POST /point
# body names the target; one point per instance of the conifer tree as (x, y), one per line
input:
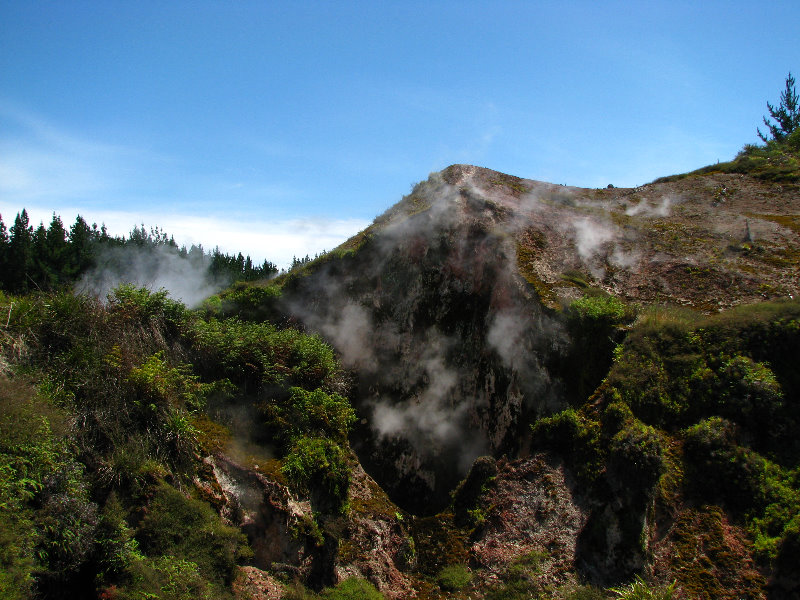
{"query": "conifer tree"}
(787, 114)
(3, 252)
(20, 253)
(80, 238)
(57, 248)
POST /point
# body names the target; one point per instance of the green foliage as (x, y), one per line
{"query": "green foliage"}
(252, 354)
(636, 454)
(167, 578)
(163, 386)
(247, 301)
(353, 589)
(786, 115)
(315, 414)
(575, 436)
(189, 529)
(140, 304)
(602, 311)
(596, 324)
(520, 581)
(466, 497)
(641, 590)
(777, 161)
(50, 258)
(453, 578)
(319, 467)
(744, 481)
(30, 456)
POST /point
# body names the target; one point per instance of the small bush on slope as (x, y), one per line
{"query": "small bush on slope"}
(641, 590)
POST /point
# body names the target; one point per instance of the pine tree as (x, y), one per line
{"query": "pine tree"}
(57, 249)
(81, 255)
(20, 253)
(3, 253)
(787, 114)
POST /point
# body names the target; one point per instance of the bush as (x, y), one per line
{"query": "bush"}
(641, 590)
(167, 577)
(575, 437)
(189, 529)
(248, 301)
(636, 454)
(718, 468)
(252, 354)
(311, 414)
(596, 325)
(353, 589)
(601, 311)
(319, 467)
(453, 578)
(144, 306)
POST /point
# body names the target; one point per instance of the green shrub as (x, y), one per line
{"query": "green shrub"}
(636, 454)
(144, 306)
(167, 578)
(189, 529)
(453, 578)
(353, 589)
(467, 495)
(319, 467)
(718, 468)
(574, 436)
(253, 354)
(641, 590)
(601, 311)
(165, 400)
(311, 414)
(596, 324)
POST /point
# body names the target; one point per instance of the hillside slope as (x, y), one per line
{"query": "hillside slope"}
(483, 303)
(448, 306)
(532, 391)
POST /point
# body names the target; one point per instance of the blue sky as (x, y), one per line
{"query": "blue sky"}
(280, 128)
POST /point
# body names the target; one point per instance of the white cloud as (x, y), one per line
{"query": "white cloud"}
(275, 240)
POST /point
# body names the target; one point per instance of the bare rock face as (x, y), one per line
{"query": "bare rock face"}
(449, 344)
(272, 518)
(530, 508)
(378, 547)
(369, 542)
(251, 583)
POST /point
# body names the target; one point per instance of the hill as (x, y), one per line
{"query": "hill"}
(502, 388)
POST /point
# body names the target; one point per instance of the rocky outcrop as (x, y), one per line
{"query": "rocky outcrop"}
(530, 507)
(370, 541)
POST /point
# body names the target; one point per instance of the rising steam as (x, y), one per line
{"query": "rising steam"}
(155, 267)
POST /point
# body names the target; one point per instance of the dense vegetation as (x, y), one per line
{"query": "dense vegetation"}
(105, 411)
(699, 414)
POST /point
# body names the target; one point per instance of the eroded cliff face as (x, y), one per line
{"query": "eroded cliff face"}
(290, 538)
(447, 307)
(450, 345)
(450, 314)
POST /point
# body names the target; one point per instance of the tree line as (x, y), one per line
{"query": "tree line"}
(54, 257)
